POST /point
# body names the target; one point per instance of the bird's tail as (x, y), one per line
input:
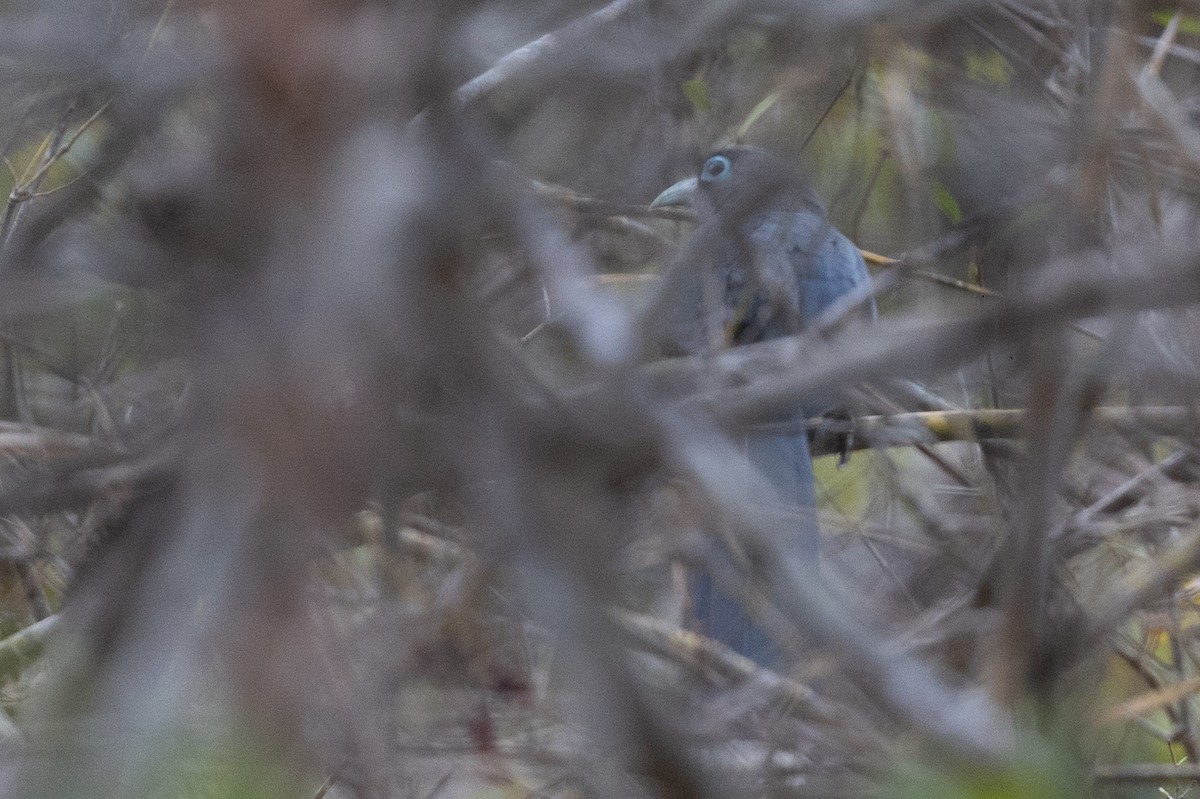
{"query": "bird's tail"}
(783, 461)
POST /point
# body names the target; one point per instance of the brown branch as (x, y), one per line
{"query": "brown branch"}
(1146, 772)
(540, 50)
(567, 198)
(43, 443)
(986, 424)
(704, 654)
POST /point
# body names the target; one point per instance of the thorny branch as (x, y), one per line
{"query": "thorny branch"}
(321, 476)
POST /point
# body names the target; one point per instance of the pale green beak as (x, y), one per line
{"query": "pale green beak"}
(682, 193)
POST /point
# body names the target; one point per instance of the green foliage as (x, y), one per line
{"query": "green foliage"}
(846, 488)
(20, 649)
(1040, 770)
(696, 90)
(228, 765)
(1188, 23)
(989, 67)
(946, 203)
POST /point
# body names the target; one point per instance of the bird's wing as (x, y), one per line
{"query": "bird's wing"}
(806, 262)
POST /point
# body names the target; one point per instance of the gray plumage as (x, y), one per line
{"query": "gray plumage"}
(776, 264)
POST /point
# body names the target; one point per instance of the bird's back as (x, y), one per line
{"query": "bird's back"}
(782, 269)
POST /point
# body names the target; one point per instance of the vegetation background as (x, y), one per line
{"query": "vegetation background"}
(336, 460)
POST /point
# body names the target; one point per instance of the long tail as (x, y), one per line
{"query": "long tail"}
(785, 463)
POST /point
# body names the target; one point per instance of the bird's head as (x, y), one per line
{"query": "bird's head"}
(738, 181)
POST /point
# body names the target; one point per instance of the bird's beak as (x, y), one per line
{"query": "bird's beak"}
(682, 193)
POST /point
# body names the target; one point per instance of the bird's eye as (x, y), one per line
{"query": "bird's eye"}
(715, 168)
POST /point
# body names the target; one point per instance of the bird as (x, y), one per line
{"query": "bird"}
(774, 264)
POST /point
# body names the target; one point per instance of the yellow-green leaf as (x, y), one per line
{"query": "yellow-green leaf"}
(989, 67)
(756, 113)
(696, 90)
(947, 204)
